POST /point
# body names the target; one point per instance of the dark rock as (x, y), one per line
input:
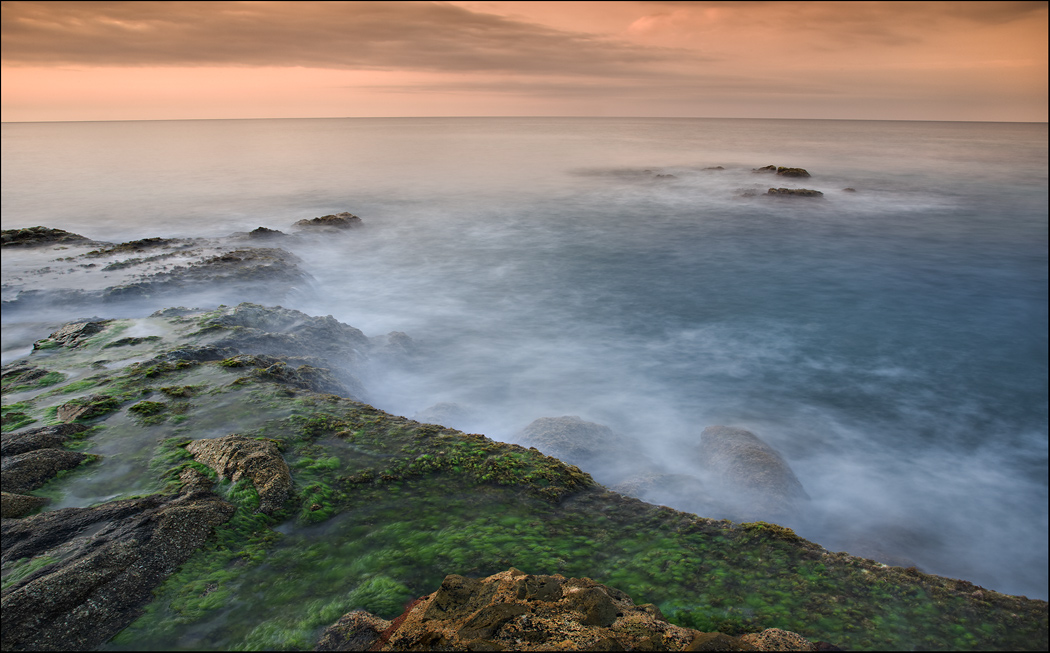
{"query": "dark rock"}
(27, 471)
(235, 457)
(792, 172)
(110, 558)
(38, 237)
(335, 222)
(262, 233)
(43, 437)
(19, 505)
(356, 631)
(714, 168)
(769, 169)
(20, 373)
(751, 476)
(849, 190)
(794, 192)
(72, 335)
(594, 448)
(136, 246)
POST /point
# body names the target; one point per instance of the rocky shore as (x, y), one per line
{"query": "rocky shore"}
(214, 478)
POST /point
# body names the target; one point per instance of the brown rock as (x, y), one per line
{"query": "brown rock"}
(27, 471)
(43, 437)
(73, 334)
(235, 457)
(37, 237)
(775, 639)
(516, 611)
(356, 631)
(338, 221)
(592, 447)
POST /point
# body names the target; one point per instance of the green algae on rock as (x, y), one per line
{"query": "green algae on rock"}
(379, 509)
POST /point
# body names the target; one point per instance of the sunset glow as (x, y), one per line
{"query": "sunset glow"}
(848, 60)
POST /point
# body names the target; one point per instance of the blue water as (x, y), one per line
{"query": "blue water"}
(891, 342)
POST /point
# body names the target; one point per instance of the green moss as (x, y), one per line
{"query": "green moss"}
(19, 569)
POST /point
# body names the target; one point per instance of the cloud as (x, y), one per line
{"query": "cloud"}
(345, 35)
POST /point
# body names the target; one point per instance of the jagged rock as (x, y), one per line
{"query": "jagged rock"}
(513, 610)
(356, 631)
(594, 448)
(16, 505)
(794, 192)
(27, 471)
(236, 456)
(38, 236)
(20, 373)
(750, 475)
(336, 222)
(108, 561)
(43, 437)
(136, 246)
(72, 335)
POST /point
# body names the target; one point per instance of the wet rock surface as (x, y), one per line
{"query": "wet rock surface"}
(794, 192)
(107, 561)
(516, 611)
(235, 457)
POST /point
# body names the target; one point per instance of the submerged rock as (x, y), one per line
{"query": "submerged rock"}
(594, 448)
(337, 222)
(447, 414)
(751, 476)
(683, 491)
(513, 610)
(794, 192)
(38, 237)
(235, 457)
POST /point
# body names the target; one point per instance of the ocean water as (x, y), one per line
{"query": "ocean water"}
(891, 342)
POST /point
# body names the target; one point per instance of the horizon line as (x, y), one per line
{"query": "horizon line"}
(475, 117)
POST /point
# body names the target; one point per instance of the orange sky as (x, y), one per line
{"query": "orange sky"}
(850, 60)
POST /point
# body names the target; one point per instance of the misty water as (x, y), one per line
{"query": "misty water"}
(891, 342)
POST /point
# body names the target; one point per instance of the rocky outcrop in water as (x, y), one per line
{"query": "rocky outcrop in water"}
(794, 192)
(34, 457)
(38, 237)
(782, 171)
(516, 611)
(235, 457)
(751, 477)
(330, 223)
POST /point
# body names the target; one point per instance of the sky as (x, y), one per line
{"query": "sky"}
(984, 61)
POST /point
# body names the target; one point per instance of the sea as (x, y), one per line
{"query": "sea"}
(889, 339)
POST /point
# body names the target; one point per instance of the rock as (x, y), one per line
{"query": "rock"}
(356, 631)
(18, 505)
(792, 172)
(72, 335)
(775, 639)
(513, 610)
(750, 475)
(849, 190)
(594, 448)
(44, 437)
(108, 560)
(794, 192)
(714, 168)
(38, 237)
(87, 407)
(235, 457)
(19, 374)
(262, 233)
(769, 169)
(335, 222)
(27, 471)
(134, 246)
